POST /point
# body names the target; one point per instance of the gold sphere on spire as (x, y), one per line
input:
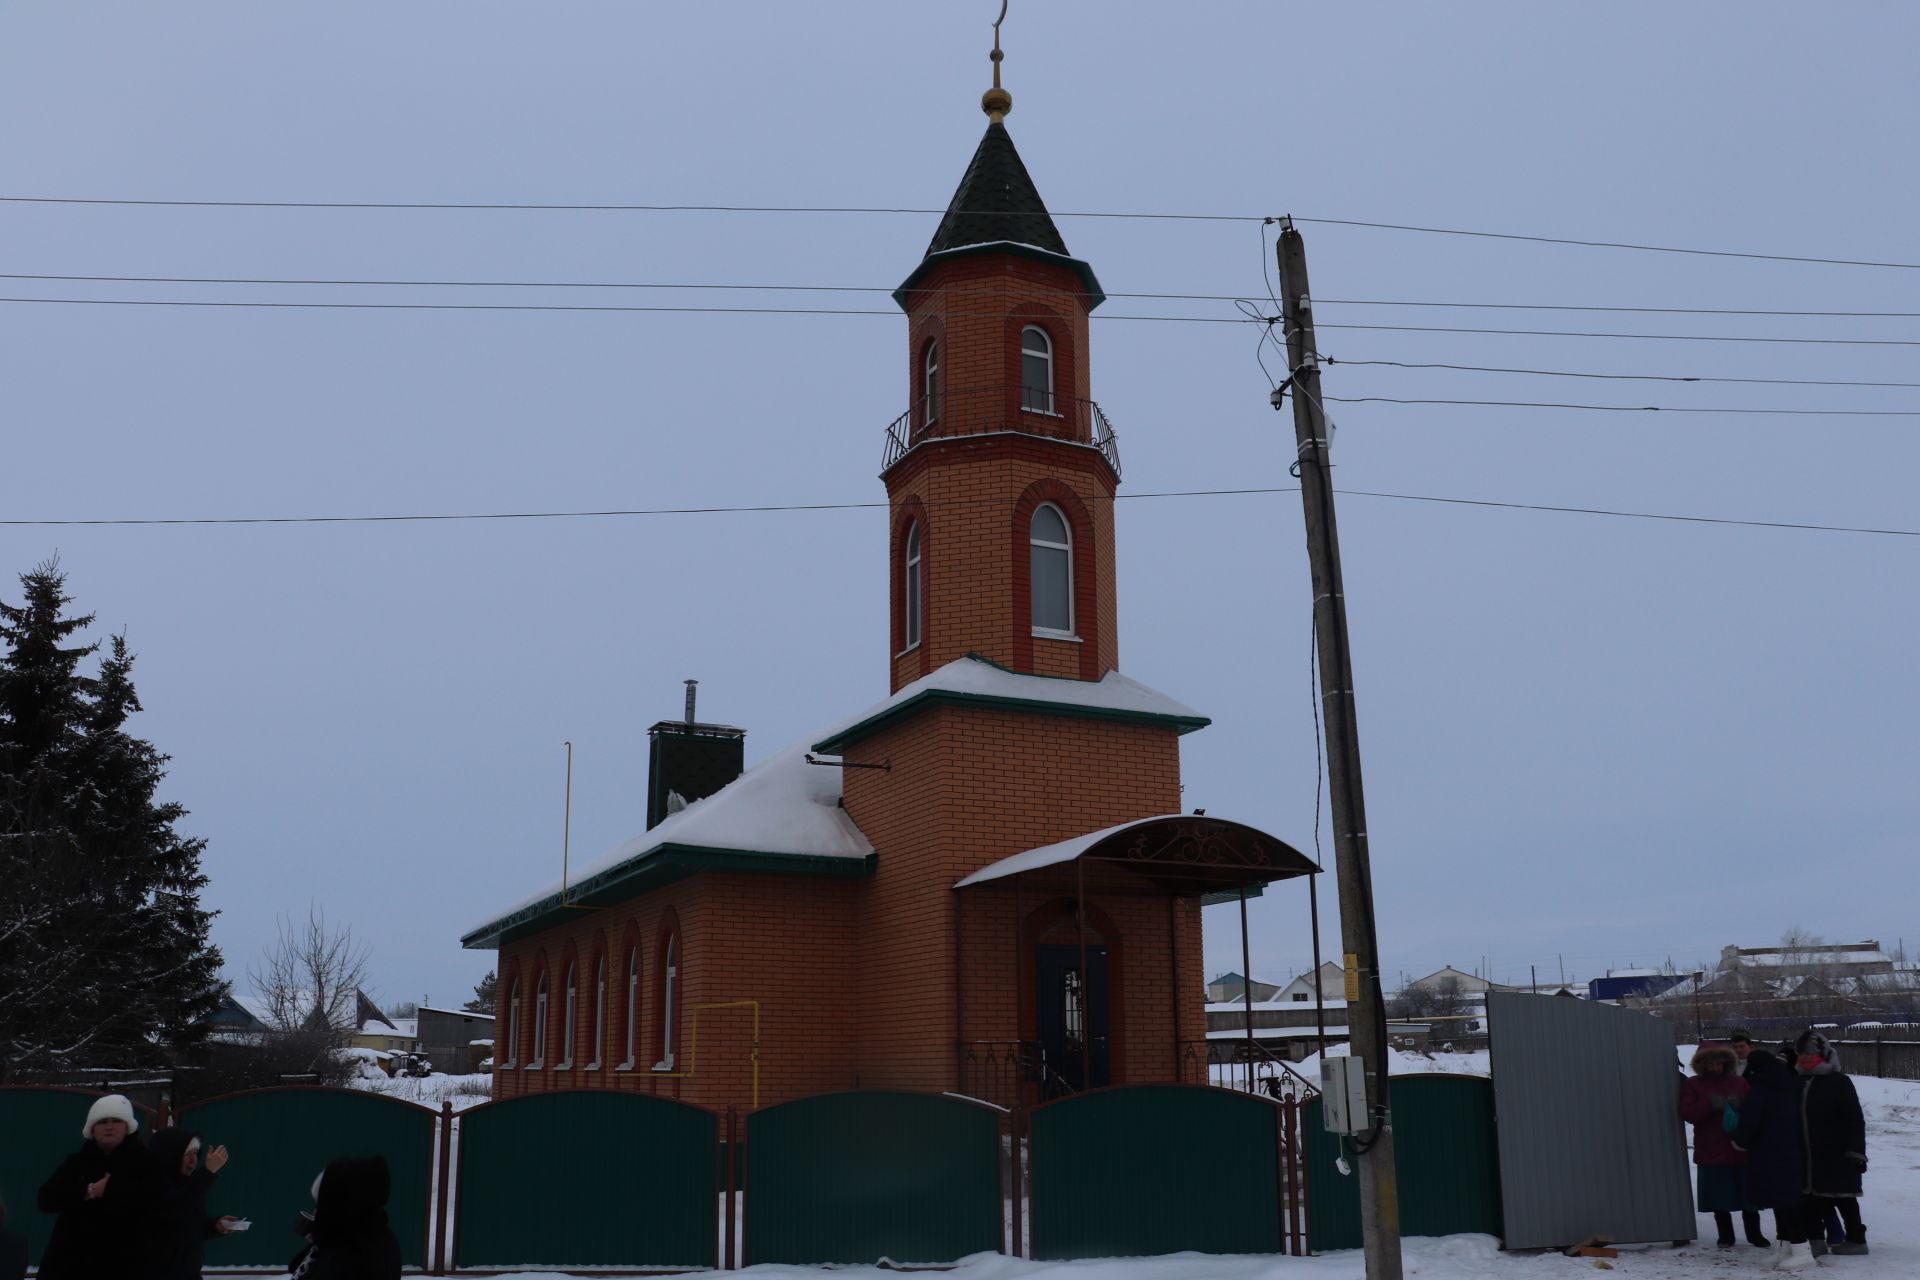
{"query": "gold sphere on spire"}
(996, 102)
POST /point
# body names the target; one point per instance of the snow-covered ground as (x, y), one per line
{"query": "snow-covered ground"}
(431, 1091)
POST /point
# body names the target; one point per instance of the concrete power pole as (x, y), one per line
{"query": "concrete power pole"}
(1379, 1187)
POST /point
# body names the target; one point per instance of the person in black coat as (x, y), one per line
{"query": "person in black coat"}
(13, 1249)
(183, 1225)
(106, 1196)
(350, 1236)
(1769, 1133)
(1834, 1133)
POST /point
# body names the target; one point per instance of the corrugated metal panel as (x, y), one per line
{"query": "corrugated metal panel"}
(855, 1177)
(1586, 1098)
(1444, 1151)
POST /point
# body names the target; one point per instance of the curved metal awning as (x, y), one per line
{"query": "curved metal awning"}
(1174, 854)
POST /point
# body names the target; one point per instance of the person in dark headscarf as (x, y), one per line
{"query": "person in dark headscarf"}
(183, 1226)
(1769, 1132)
(1834, 1132)
(350, 1238)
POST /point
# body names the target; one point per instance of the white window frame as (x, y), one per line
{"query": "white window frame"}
(513, 1026)
(1034, 540)
(633, 1009)
(539, 1058)
(1045, 352)
(930, 385)
(669, 982)
(599, 1014)
(569, 1024)
(912, 589)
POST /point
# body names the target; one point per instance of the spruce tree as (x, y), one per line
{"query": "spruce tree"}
(104, 952)
(485, 992)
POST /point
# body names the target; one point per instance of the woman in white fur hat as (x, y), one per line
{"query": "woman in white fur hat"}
(106, 1196)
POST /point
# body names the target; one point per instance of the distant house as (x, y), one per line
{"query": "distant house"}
(455, 1040)
(1836, 960)
(1331, 982)
(1233, 986)
(1631, 984)
(1466, 984)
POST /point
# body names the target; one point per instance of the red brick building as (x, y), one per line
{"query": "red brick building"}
(991, 889)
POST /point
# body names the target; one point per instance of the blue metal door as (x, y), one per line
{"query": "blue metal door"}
(1071, 1018)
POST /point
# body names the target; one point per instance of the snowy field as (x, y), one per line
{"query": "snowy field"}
(1891, 1208)
(431, 1091)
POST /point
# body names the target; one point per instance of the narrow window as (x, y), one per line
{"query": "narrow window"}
(1073, 1012)
(599, 1014)
(513, 1026)
(539, 1058)
(930, 386)
(911, 592)
(568, 1023)
(671, 980)
(633, 1009)
(1036, 370)
(1052, 572)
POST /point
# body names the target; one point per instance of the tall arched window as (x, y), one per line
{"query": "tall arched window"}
(599, 1015)
(910, 588)
(1036, 370)
(633, 1010)
(539, 1058)
(1051, 577)
(513, 1025)
(930, 385)
(569, 1023)
(669, 1001)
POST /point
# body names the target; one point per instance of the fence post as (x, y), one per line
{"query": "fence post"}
(733, 1179)
(1016, 1179)
(443, 1198)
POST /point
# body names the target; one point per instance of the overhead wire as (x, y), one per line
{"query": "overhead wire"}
(1623, 377)
(1637, 408)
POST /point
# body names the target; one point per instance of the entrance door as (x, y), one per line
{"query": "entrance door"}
(1071, 1017)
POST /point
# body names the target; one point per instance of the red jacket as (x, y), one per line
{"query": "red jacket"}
(1701, 1101)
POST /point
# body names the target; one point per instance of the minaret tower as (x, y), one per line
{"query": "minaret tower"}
(1001, 475)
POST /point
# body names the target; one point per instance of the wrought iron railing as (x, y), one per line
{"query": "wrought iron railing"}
(978, 411)
(1006, 1072)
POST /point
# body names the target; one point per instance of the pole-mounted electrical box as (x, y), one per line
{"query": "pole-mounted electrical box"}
(1343, 1095)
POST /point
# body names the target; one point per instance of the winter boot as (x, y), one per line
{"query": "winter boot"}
(1852, 1248)
(1817, 1246)
(1794, 1256)
(1724, 1221)
(1751, 1221)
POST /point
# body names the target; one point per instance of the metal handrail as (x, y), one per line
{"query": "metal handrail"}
(977, 411)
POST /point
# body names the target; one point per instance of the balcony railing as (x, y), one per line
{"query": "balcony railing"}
(979, 411)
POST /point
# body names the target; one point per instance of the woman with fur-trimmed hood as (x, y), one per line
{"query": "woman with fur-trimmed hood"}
(1706, 1098)
(1834, 1133)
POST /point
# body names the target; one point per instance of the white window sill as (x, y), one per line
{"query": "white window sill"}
(1068, 636)
(591, 1066)
(534, 1066)
(625, 1066)
(1044, 413)
(909, 649)
(508, 1066)
(665, 1064)
(563, 1066)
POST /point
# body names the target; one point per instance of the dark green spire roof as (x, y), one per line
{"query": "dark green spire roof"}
(997, 209)
(997, 202)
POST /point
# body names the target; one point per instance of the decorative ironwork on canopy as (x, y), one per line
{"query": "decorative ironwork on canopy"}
(1176, 855)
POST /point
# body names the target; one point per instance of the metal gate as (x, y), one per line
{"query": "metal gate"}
(1589, 1122)
(40, 1127)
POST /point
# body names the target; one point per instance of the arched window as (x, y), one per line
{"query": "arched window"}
(633, 1010)
(1036, 370)
(568, 1024)
(599, 1015)
(539, 1058)
(513, 1025)
(930, 385)
(1052, 571)
(910, 588)
(669, 1002)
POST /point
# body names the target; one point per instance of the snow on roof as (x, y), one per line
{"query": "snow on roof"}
(782, 805)
(1810, 956)
(1275, 1033)
(975, 679)
(1051, 854)
(1259, 1006)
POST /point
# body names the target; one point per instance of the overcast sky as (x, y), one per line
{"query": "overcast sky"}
(1588, 740)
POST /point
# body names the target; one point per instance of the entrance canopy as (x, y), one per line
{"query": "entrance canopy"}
(1175, 855)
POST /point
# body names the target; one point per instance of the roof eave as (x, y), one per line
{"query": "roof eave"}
(954, 698)
(1090, 282)
(658, 866)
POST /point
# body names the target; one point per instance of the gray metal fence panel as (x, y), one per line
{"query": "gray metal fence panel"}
(1586, 1099)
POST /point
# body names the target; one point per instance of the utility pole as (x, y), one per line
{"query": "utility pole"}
(1379, 1186)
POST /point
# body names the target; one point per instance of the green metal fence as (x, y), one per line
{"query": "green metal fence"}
(1445, 1152)
(278, 1139)
(586, 1178)
(40, 1127)
(854, 1177)
(1152, 1169)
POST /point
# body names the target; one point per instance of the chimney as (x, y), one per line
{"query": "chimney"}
(689, 761)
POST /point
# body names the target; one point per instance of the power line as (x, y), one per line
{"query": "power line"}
(878, 311)
(668, 285)
(1624, 377)
(870, 506)
(1637, 408)
(557, 207)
